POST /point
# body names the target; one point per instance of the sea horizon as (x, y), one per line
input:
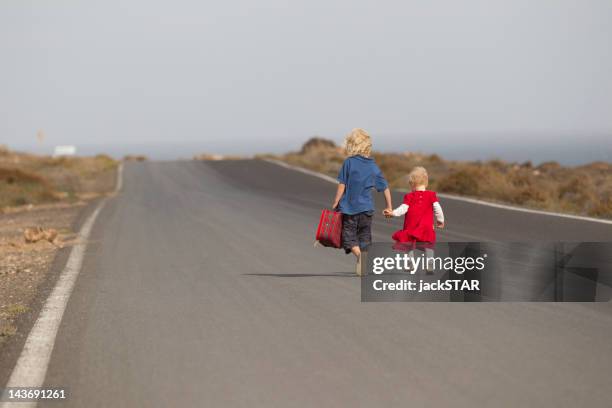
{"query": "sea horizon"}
(564, 149)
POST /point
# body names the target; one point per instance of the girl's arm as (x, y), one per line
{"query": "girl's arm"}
(401, 210)
(339, 193)
(437, 208)
(398, 212)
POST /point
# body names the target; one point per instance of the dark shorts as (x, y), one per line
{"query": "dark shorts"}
(356, 231)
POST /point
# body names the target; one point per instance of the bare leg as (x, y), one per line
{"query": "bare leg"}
(357, 252)
(411, 261)
(429, 253)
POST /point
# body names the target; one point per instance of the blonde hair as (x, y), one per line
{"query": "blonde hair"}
(358, 142)
(418, 177)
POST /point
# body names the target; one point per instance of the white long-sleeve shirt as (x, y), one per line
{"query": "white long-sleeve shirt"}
(437, 209)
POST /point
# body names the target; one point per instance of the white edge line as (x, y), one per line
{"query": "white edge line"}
(119, 183)
(527, 210)
(454, 197)
(303, 170)
(31, 367)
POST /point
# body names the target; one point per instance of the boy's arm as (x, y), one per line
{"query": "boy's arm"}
(387, 194)
(381, 185)
(339, 193)
(398, 212)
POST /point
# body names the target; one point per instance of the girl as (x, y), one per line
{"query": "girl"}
(358, 176)
(420, 206)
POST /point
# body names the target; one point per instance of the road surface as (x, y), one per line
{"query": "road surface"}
(201, 288)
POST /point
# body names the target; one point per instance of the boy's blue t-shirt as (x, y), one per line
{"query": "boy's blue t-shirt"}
(359, 174)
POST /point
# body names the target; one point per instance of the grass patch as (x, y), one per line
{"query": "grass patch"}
(7, 330)
(14, 310)
(7, 314)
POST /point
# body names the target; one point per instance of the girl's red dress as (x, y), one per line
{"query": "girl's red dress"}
(418, 222)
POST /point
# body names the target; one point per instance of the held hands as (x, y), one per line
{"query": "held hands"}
(388, 212)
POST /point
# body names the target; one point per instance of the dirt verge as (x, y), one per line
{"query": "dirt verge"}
(42, 193)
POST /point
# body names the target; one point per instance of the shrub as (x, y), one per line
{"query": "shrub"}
(105, 161)
(584, 190)
(434, 159)
(497, 165)
(529, 195)
(549, 166)
(577, 191)
(520, 179)
(19, 187)
(466, 182)
(602, 208)
(17, 176)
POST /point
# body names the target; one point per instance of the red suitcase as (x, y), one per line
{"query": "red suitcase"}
(329, 232)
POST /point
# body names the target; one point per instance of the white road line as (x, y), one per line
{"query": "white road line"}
(119, 183)
(527, 210)
(31, 367)
(303, 170)
(454, 197)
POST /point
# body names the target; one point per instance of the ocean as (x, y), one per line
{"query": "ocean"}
(567, 150)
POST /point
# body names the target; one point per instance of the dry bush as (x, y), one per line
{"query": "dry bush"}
(318, 154)
(497, 164)
(602, 208)
(19, 187)
(18, 176)
(549, 166)
(466, 182)
(75, 175)
(135, 157)
(578, 190)
(578, 193)
(581, 190)
(30, 179)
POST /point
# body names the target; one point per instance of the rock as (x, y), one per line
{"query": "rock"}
(317, 143)
(32, 235)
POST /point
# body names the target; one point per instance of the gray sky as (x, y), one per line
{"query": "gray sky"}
(249, 76)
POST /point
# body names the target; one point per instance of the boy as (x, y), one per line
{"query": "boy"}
(358, 175)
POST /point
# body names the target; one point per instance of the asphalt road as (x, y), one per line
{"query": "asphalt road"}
(201, 288)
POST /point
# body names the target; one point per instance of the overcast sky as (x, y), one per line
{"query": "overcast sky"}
(252, 76)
